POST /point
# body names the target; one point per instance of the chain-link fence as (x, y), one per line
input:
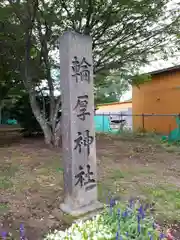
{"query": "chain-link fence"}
(158, 123)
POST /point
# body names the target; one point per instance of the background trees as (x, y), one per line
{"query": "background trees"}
(125, 35)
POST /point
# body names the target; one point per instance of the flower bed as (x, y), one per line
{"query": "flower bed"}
(116, 222)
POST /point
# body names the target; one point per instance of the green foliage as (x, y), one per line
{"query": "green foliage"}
(125, 34)
(140, 78)
(102, 98)
(167, 201)
(22, 112)
(115, 222)
(128, 222)
(110, 88)
(5, 183)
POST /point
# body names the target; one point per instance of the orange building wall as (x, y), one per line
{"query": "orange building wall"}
(159, 96)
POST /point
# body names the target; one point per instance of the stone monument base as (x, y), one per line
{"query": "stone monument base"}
(94, 206)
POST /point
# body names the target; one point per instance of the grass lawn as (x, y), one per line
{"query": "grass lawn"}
(31, 180)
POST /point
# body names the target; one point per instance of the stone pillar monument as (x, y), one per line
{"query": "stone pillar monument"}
(78, 135)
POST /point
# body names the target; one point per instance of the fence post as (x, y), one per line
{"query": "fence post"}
(121, 125)
(103, 122)
(169, 130)
(143, 128)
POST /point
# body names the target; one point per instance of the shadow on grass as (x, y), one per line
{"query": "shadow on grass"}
(167, 201)
(135, 184)
(7, 171)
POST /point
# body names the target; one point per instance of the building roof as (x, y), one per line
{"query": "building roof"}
(170, 69)
(114, 103)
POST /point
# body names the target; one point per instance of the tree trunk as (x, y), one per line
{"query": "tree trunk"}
(0, 114)
(57, 141)
(51, 137)
(57, 134)
(48, 136)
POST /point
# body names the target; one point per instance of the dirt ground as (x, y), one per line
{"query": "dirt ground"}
(31, 180)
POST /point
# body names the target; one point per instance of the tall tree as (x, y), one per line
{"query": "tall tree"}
(125, 33)
(111, 87)
(10, 83)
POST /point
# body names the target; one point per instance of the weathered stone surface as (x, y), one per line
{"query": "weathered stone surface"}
(78, 136)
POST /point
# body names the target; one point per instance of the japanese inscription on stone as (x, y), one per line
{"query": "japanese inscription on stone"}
(85, 178)
(80, 69)
(84, 139)
(81, 106)
(78, 136)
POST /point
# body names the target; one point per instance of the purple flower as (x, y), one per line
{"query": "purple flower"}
(150, 236)
(141, 212)
(119, 216)
(125, 213)
(138, 218)
(112, 202)
(4, 235)
(118, 237)
(139, 226)
(22, 232)
(111, 206)
(161, 236)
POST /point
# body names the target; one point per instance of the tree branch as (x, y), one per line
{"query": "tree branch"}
(58, 102)
(63, 2)
(45, 55)
(44, 104)
(88, 18)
